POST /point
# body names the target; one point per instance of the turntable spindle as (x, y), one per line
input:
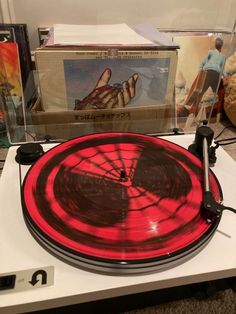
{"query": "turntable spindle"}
(123, 176)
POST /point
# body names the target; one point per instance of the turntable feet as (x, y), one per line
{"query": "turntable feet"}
(28, 153)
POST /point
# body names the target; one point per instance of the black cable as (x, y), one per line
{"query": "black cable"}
(226, 139)
(226, 127)
(230, 209)
(230, 140)
(224, 144)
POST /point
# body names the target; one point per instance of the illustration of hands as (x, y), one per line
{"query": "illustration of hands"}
(105, 96)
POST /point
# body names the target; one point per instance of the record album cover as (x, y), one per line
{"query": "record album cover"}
(11, 84)
(19, 34)
(7, 35)
(105, 90)
(198, 86)
(78, 79)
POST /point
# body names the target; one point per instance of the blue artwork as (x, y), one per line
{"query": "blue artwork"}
(112, 83)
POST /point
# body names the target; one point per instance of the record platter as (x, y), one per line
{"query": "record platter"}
(118, 202)
(113, 214)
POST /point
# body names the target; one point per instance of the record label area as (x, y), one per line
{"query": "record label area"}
(118, 202)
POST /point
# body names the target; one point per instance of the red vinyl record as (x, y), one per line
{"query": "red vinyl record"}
(116, 201)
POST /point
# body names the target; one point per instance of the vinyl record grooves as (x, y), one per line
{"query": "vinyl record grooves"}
(118, 202)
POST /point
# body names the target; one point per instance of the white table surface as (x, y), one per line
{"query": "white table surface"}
(19, 251)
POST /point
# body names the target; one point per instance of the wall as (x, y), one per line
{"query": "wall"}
(181, 14)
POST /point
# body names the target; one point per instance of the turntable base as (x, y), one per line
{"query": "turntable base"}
(19, 251)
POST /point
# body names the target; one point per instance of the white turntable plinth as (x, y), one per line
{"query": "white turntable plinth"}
(19, 251)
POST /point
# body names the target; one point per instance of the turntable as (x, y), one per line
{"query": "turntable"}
(83, 269)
